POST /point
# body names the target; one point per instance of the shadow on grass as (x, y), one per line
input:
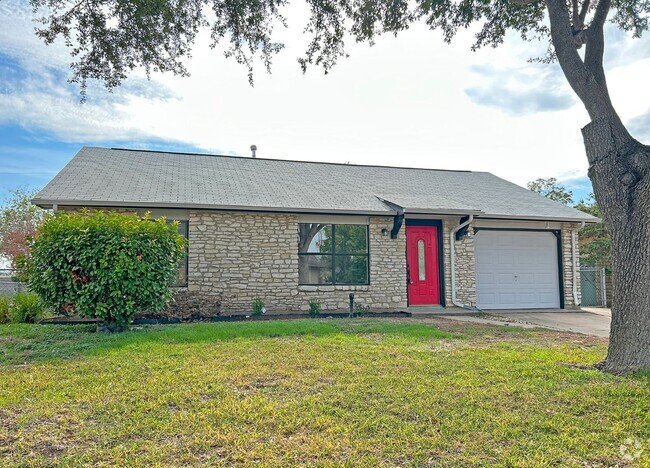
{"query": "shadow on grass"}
(25, 344)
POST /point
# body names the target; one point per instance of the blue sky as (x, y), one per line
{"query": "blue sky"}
(30, 158)
(408, 101)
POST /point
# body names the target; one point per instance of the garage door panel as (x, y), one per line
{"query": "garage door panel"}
(503, 301)
(486, 278)
(505, 279)
(516, 269)
(506, 258)
(527, 279)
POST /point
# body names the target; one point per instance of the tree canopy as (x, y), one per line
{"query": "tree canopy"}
(108, 39)
(550, 188)
(19, 221)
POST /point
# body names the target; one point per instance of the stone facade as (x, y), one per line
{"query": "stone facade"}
(465, 276)
(567, 264)
(244, 256)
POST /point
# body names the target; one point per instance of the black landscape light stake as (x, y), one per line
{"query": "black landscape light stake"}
(351, 304)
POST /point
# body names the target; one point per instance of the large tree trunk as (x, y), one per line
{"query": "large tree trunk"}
(618, 169)
(619, 172)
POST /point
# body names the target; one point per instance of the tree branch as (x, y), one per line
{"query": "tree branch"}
(577, 25)
(596, 44)
(583, 11)
(563, 41)
(591, 92)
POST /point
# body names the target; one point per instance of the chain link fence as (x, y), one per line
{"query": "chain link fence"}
(9, 284)
(593, 286)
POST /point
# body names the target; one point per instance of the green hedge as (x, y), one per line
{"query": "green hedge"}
(104, 264)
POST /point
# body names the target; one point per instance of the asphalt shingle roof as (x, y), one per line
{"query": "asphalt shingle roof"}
(117, 177)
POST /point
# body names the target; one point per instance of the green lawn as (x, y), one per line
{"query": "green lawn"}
(314, 392)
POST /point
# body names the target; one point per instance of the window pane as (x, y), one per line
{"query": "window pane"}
(182, 228)
(351, 269)
(315, 269)
(314, 237)
(422, 269)
(351, 239)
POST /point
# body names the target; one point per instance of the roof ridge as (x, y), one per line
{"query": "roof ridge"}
(287, 160)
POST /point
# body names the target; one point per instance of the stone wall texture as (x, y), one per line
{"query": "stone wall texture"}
(465, 273)
(244, 256)
(567, 264)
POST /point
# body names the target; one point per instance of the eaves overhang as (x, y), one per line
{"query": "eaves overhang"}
(50, 203)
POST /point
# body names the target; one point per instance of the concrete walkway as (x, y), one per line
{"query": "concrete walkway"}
(588, 321)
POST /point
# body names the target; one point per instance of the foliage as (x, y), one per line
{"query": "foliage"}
(361, 309)
(318, 392)
(314, 307)
(550, 188)
(109, 39)
(258, 306)
(26, 308)
(5, 301)
(19, 221)
(21, 308)
(104, 264)
(595, 242)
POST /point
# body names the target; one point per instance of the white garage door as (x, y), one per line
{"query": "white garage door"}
(516, 270)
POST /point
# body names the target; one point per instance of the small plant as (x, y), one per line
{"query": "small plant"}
(361, 309)
(5, 302)
(314, 307)
(258, 306)
(26, 308)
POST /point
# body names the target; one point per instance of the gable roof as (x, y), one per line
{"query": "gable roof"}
(147, 179)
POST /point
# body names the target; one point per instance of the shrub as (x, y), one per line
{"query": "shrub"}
(258, 306)
(314, 307)
(5, 301)
(361, 309)
(104, 264)
(26, 308)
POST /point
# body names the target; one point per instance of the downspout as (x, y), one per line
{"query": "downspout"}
(452, 249)
(574, 262)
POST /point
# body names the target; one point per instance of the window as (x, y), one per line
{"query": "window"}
(332, 254)
(183, 230)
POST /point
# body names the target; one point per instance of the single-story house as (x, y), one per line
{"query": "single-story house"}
(294, 231)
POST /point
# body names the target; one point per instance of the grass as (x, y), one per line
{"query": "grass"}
(314, 392)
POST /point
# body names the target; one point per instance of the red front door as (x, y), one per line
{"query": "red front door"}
(422, 265)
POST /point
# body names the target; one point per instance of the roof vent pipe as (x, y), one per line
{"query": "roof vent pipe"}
(253, 150)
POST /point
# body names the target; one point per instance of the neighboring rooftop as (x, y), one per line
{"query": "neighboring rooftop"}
(148, 179)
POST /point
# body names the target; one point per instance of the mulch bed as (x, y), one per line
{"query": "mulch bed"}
(222, 318)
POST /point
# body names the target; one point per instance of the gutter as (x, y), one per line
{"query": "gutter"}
(50, 203)
(574, 263)
(452, 247)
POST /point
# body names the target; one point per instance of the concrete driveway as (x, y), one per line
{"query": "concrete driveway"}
(588, 321)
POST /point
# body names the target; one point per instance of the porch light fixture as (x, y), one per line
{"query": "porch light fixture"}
(384, 232)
